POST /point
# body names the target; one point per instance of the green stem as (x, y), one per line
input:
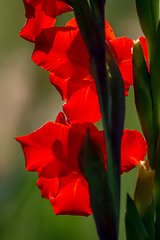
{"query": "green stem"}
(157, 190)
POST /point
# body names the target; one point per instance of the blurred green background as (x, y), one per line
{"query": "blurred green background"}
(27, 101)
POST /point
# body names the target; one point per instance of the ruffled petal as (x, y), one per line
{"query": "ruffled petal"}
(38, 146)
(40, 15)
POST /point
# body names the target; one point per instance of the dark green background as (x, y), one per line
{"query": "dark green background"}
(27, 101)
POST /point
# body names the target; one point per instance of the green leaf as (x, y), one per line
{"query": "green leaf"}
(91, 164)
(155, 82)
(117, 119)
(157, 189)
(148, 14)
(148, 220)
(97, 7)
(117, 95)
(143, 98)
(134, 226)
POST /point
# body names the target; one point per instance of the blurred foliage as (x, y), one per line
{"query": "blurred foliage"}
(23, 214)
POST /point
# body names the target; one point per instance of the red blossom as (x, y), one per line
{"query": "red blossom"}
(63, 52)
(41, 14)
(52, 151)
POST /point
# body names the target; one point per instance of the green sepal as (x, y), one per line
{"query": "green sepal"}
(155, 81)
(97, 8)
(91, 164)
(135, 228)
(143, 98)
(117, 118)
(117, 95)
(148, 220)
(148, 14)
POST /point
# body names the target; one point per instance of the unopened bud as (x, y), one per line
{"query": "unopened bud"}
(144, 187)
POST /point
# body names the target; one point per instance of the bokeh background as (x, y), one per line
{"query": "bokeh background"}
(27, 101)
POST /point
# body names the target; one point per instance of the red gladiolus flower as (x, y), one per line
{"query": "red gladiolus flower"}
(62, 51)
(41, 14)
(52, 151)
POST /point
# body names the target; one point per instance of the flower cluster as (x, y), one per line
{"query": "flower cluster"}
(53, 150)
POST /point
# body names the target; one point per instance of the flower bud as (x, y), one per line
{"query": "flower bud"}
(144, 187)
(148, 14)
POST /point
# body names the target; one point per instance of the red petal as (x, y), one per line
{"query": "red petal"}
(72, 198)
(29, 10)
(51, 48)
(69, 69)
(72, 22)
(60, 84)
(55, 8)
(38, 146)
(62, 51)
(64, 163)
(41, 14)
(145, 49)
(83, 104)
(109, 34)
(34, 25)
(61, 167)
(121, 49)
(133, 149)
(60, 118)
